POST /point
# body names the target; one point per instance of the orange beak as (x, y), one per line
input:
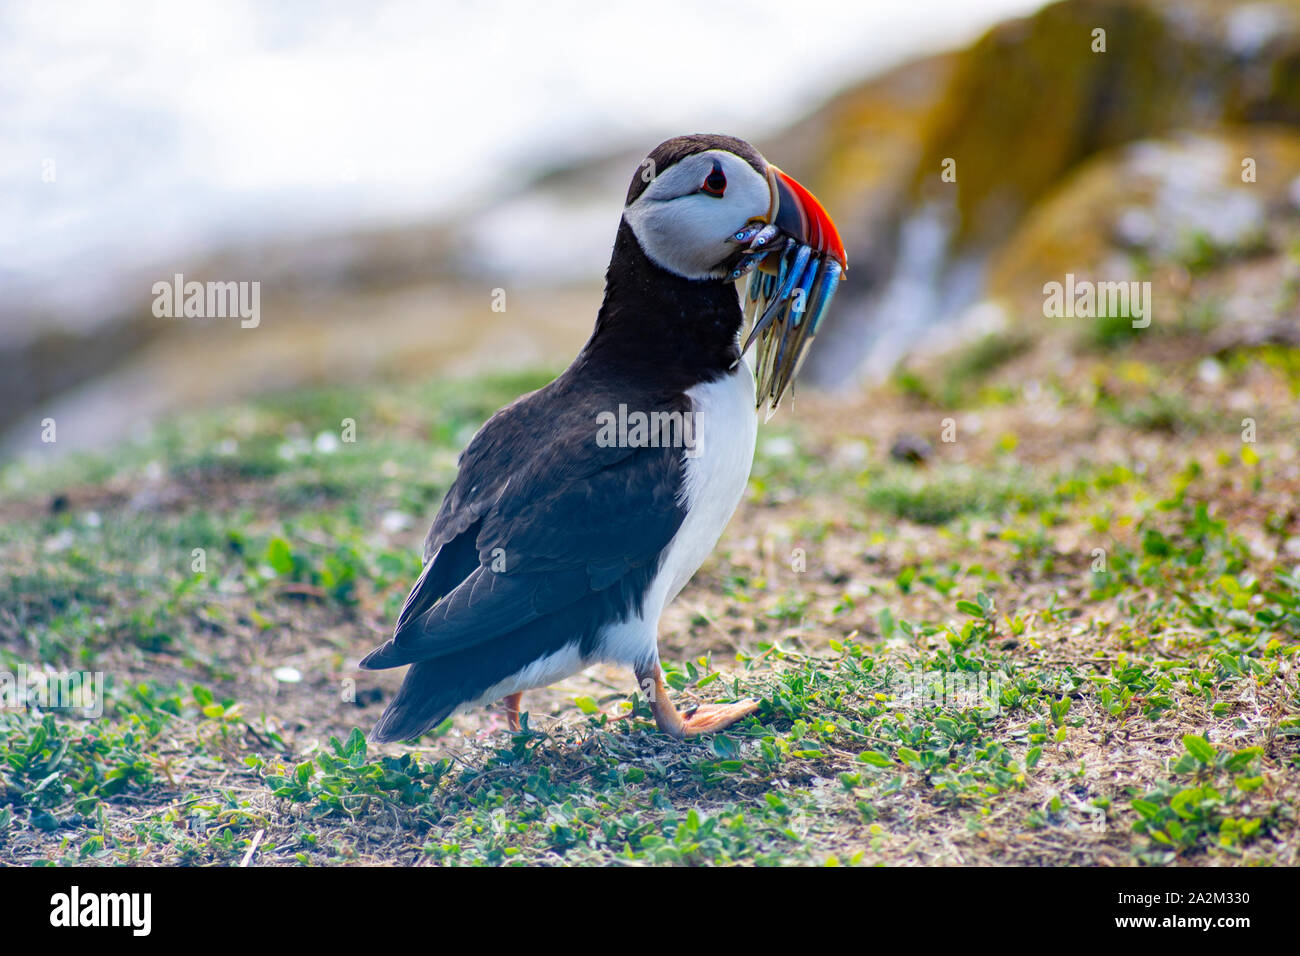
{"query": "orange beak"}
(797, 212)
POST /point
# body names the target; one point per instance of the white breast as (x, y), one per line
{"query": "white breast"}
(716, 472)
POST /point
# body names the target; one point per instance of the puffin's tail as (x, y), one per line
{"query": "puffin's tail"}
(422, 703)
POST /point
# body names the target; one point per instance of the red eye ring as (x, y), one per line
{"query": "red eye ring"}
(716, 182)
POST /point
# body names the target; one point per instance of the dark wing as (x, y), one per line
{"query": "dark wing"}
(540, 516)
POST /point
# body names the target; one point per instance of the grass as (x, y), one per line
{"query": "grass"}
(1069, 637)
(938, 498)
(961, 375)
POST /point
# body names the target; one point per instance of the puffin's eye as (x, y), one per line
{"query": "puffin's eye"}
(716, 183)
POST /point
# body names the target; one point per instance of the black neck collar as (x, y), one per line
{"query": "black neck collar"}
(657, 325)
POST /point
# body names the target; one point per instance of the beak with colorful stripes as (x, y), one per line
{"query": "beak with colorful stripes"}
(795, 260)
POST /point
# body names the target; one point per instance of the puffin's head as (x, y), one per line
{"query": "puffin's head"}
(693, 195)
(710, 208)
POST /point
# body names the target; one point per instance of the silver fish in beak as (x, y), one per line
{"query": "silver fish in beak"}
(795, 260)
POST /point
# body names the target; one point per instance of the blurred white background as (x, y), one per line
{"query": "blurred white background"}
(172, 128)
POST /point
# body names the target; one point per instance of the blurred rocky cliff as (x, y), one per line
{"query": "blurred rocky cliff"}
(1094, 137)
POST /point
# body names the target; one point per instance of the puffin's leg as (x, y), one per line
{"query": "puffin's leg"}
(512, 711)
(704, 719)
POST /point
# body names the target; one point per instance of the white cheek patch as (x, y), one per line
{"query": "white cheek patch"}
(686, 231)
(687, 235)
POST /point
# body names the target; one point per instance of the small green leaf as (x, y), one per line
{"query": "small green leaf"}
(278, 556)
(887, 623)
(875, 758)
(1243, 758)
(675, 679)
(1199, 748)
(1146, 808)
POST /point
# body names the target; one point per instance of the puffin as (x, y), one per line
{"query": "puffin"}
(580, 510)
